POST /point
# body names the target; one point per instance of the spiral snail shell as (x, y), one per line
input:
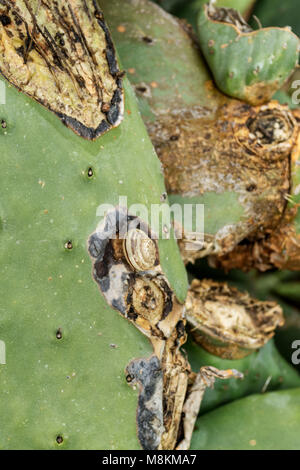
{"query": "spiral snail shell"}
(139, 250)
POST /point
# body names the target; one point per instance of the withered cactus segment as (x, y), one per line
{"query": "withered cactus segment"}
(229, 323)
(246, 64)
(177, 371)
(245, 151)
(217, 151)
(200, 382)
(61, 54)
(279, 247)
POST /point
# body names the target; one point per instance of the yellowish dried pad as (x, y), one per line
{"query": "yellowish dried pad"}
(229, 323)
(60, 53)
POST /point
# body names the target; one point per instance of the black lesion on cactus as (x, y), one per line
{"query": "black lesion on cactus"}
(5, 20)
(148, 375)
(142, 296)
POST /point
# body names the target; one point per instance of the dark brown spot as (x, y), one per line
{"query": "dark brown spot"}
(141, 89)
(129, 378)
(251, 188)
(121, 74)
(90, 172)
(59, 334)
(59, 39)
(147, 40)
(3, 124)
(20, 51)
(80, 81)
(5, 20)
(173, 138)
(105, 107)
(59, 439)
(163, 197)
(69, 245)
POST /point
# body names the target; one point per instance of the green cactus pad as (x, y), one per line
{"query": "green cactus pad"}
(66, 350)
(153, 46)
(249, 65)
(263, 422)
(264, 368)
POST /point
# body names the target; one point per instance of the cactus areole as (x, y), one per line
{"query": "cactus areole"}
(61, 54)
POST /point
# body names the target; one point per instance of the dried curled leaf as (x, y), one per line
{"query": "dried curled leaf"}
(204, 379)
(60, 53)
(246, 64)
(229, 323)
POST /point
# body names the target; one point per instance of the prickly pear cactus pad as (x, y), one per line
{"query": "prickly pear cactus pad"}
(264, 370)
(63, 384)
(246, 424)
(111, 180)
(62, 55)
(246, 64)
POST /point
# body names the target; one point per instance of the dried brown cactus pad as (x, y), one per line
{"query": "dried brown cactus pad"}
(229, 323)
(243, 151)
(279, 248)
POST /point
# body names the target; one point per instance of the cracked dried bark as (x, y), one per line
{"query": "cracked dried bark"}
(61, 54)
(213, 148)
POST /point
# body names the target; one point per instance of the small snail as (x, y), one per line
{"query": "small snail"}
(139, 250)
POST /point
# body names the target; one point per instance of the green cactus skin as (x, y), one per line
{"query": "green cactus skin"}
(257, 368)
(153, 48)
(156, 51)
(262, 422)
(284, 98)
(74, 386)
(250, 66)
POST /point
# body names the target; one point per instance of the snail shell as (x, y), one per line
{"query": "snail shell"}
(139, 250)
